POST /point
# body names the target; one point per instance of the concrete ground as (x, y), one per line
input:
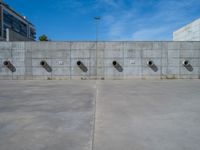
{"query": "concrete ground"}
(100, 115)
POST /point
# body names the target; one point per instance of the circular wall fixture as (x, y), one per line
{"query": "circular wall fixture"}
(114, 63)
(43, 63)
(6, 63)
(186, 62)
(150, 63)
(79, 63)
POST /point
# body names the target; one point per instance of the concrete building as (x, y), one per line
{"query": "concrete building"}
(190, 32)
(13, 26)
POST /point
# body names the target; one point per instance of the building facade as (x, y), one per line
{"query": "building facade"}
(13, 26)
(190, 32)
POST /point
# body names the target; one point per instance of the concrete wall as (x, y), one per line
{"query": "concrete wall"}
(190, 32)
(98, 59)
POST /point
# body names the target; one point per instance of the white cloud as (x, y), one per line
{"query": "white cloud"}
(136, 19)
(138, 22)
(149, 34)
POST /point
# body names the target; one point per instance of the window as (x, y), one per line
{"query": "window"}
(15, 24)
(32, 33)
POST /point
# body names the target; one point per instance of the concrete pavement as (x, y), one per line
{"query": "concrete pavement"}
(148, 115)
(38, 115)
(100, 115)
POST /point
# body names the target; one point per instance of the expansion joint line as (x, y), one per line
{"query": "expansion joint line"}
(94, 118)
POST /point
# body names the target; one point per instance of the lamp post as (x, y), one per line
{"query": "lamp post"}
(97, 19)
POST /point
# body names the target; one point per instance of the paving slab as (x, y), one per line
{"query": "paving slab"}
(148, 115)
(46, 115)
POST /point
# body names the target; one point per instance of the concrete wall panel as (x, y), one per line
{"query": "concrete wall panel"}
(98, 58)
(5, 54)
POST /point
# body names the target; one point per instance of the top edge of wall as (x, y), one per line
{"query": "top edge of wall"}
(98, 41)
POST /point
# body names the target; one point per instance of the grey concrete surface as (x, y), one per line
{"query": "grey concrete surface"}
(100, 115)
(148, 115)
(46, 115)
(98, 58)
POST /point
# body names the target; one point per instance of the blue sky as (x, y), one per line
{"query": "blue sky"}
(63, 20)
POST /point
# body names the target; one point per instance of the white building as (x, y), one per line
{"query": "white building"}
(190, 32)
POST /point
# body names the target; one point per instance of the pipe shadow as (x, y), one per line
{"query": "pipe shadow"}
(46, 66)
(189, 67)
(82, 66)
(9, 65)
(152, 65)
(154, 68)
(117, 66)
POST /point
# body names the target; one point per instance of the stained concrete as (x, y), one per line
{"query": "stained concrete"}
(100, 115)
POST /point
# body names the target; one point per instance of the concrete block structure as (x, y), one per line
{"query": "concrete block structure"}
(99, 60)
(190, 32)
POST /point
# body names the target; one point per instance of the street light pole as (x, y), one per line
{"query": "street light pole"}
(97, 19)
